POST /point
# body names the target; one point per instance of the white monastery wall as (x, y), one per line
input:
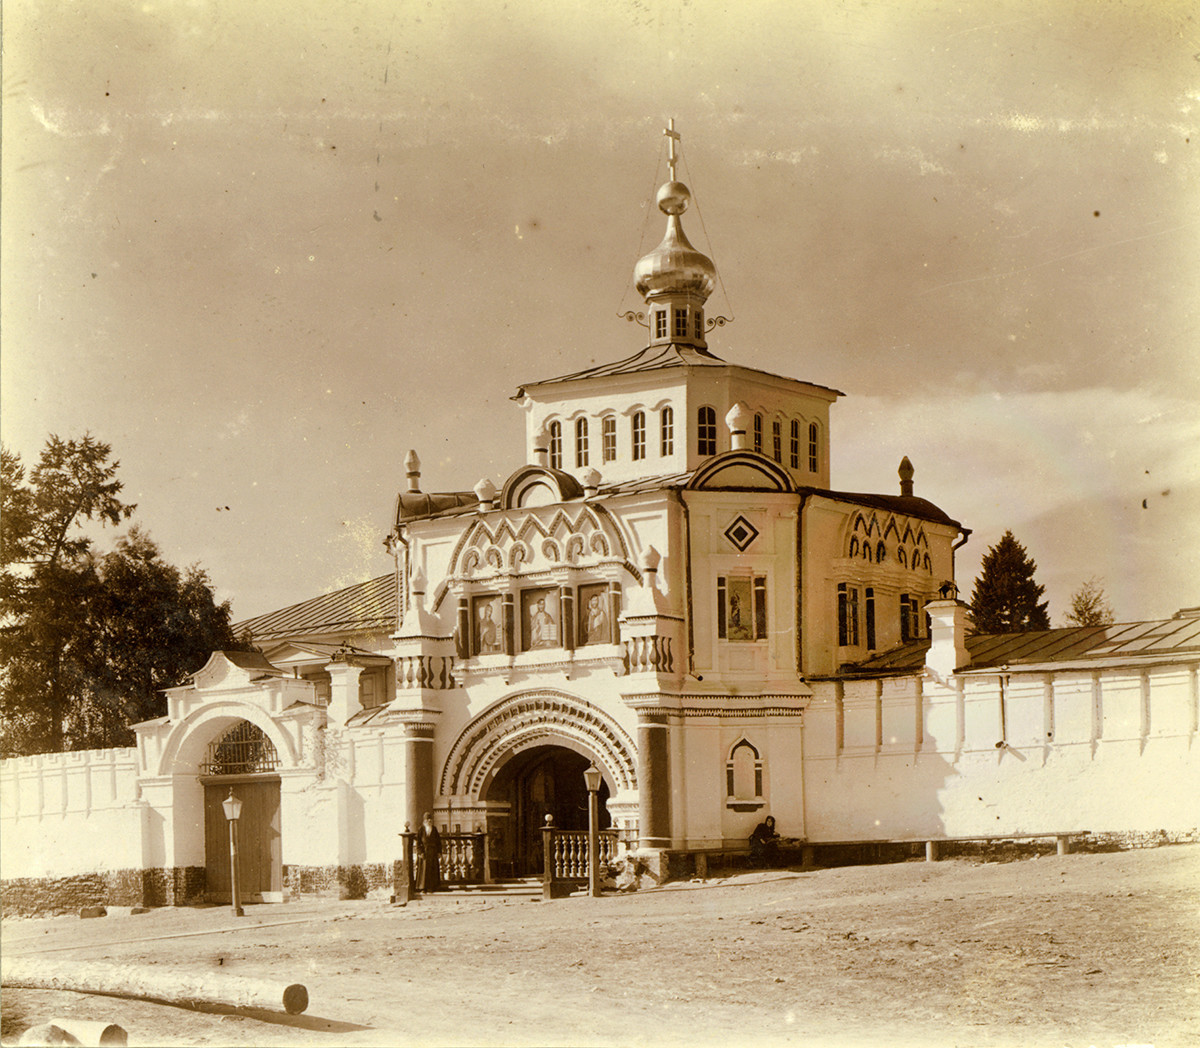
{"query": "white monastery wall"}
(1079, 750)
(68, 813)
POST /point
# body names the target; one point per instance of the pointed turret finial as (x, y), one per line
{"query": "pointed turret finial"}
(906, 476)
(412, 470)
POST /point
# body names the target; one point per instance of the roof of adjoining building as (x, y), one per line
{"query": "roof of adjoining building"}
(1125, 641)
(658, 358)
(366, 607)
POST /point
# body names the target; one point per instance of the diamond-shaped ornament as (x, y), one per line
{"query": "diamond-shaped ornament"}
(741, 533)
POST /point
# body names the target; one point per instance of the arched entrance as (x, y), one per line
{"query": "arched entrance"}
(544, 780)
(242, 760)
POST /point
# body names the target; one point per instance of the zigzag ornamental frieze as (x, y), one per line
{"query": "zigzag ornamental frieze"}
(516, 721)
(521, 543)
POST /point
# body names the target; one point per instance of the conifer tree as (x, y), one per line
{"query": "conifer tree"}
(1006, 599)
(1089, 606)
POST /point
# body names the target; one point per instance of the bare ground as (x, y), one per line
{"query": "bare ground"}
(1081, 950)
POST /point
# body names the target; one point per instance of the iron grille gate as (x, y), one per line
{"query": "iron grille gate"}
(243, 750)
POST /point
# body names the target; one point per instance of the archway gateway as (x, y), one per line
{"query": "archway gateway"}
(533, 783)
(243, 760)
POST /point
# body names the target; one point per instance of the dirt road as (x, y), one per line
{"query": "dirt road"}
(1081, 950)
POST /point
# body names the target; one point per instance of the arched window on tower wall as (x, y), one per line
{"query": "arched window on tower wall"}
(758, 433)
(777, 440)
(814, 448)
(667, 432)
(744, 776)
(581, 442)
(608, 439)
(794, 446)
(706, 431)
(638, 426)
(556, 445)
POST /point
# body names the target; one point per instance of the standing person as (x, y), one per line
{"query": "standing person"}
(429, 851)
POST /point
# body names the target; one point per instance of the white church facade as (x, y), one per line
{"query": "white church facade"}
(667, 588)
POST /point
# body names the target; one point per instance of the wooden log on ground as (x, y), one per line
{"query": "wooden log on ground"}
(175, 986)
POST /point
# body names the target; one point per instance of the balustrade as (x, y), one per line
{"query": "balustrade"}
(566, 857)
(648, 655)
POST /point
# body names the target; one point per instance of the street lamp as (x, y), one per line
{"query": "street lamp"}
(233, 812)
(592, 778)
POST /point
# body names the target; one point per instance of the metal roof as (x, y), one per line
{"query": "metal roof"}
(660, 357)
(363, 608)
(1076, 644)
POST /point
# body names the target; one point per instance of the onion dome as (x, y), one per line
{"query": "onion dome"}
(674, 267)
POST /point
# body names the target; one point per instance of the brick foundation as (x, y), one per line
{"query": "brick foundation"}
(355, 881)
(26, 896)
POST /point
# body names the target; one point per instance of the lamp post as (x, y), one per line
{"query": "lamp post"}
(592, 778)
(233, 812)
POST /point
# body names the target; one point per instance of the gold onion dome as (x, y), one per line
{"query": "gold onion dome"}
(674, 267)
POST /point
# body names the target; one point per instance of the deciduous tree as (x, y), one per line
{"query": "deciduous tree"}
(1006, 599)
(87, 640)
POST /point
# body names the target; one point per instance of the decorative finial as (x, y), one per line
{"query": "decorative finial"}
(672, 138)
(906, 476)
(412, 469)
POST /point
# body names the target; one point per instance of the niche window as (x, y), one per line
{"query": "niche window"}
(706, 431)
(660, 323)
(742, 607)
(847, 615)
(794, 446)
(581, 442)
(667, 432)
(813, 448)
(910, 617)
(744, 778)
(638, 426)
(608, 439)
(758, 433)
(556, 445)
(777, 441)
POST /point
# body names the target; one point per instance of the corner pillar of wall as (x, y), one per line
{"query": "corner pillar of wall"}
(343, 692)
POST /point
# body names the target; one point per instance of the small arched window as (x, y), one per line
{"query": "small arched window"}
(706, 431)
(777, 440)
(667, 432)
(581, 442)
(639, 435)
(556, 445)
(744, 775)
(794, 446)
(758, 433)
(814, 449)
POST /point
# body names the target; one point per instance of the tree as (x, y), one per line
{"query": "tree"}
(1089, 606)
(1006, 597)
(86, 641)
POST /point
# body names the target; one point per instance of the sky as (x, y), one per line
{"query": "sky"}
(264, 248)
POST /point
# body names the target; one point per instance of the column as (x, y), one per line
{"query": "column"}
(418, 760)
(343, 692)
(654, 780)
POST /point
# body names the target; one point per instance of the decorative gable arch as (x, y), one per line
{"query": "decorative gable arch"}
(741, 470)
(534, 485)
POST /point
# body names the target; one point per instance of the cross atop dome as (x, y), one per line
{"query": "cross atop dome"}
(675, 279)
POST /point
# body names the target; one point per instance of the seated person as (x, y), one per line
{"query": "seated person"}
(764, 843)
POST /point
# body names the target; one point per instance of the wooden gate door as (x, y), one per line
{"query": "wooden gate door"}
(260, 865)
